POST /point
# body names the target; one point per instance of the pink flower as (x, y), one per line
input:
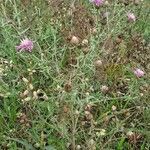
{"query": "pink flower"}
(138, 72)
(131, 17)
(26, 45)
(97, 2)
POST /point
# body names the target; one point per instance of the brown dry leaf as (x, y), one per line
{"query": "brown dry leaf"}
(134, 138)
(66, 109)
(85, 50)
(23, 119)
(25, 2)
(72, 60)
(68, 87)
(108, 45)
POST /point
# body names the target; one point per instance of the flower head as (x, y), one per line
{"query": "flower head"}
(131, 17)
(97, 2)
(26, 45)
(138, 72)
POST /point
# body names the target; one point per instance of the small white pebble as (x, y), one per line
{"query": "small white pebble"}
(25, 93)
(85, 42)
(35, 95)
(25, 80)
(87, 93)
(29, 69)
(42, 54)
(68, 144)
(87, 112)
(130, 133)
(77, 112)
(31, 86)
(91, 142)
(102, 132)
(106, 3)
(114, 108)
(45, 97)
(58, 87)
(86, 79)
(37, 145)
(78, 147)
(98, 63)
(91, 89)
(27, 99)
(33, 71)
(138, 107)
(94, 31)
(74, 40)
(141, 94)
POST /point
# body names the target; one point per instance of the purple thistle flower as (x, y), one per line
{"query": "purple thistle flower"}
(26, 45)
(131, 17)
(97, 2)
(138, 72)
